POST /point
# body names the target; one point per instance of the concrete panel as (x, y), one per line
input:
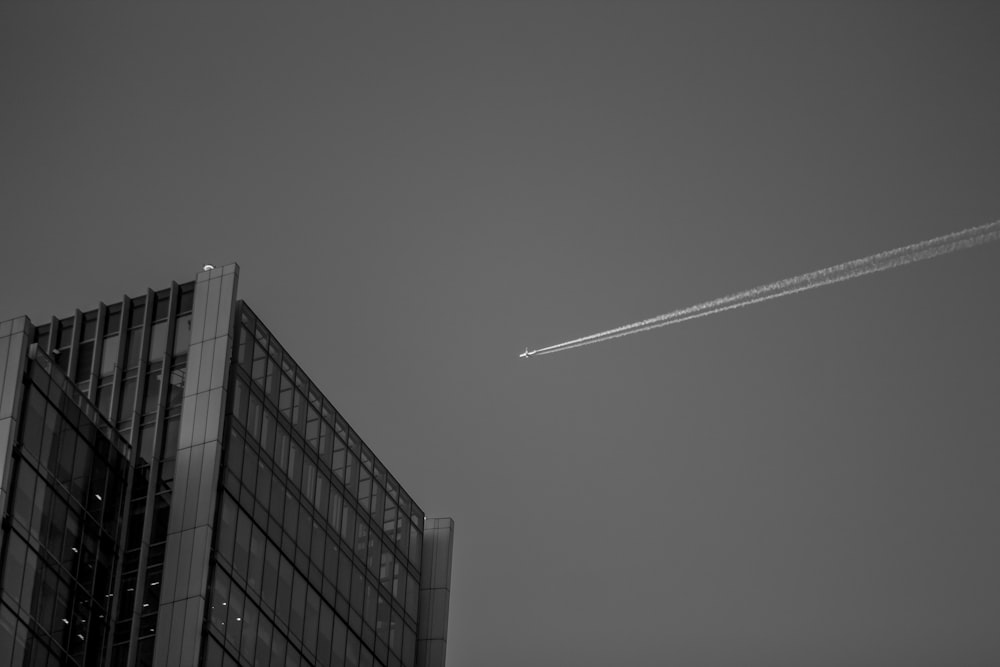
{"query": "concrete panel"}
(181, 485)
(193, 364)
(205, 366)
(164, 621)
(219, 362)
(200, 418)
(212, 312)
(186, 434)
(205, 507)
(191, 635)
(214, 418)
(168, 581)
(198, 581)
(193, 485)
(184, 559)
(176, 635)
(222, 326)
(435, 591)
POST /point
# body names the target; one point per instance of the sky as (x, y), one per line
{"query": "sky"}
(415, 193)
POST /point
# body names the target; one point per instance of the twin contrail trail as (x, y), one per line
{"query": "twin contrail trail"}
(882, 261)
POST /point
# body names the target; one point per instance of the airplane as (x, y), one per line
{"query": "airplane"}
(526, 354)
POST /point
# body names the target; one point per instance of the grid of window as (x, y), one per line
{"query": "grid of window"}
(131, 357)
(61, 535)
(317, 547)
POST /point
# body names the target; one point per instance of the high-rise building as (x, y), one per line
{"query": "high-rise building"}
(176, 491)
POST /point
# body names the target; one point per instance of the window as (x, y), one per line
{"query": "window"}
(339, 641)
(227, 528)
(311, 620)
(65, 333)
(411, 596)
(34, 417)
(241, 552)
(158, 342)
(263, 642)
(109, 355)
(138, 311)
(114, 320)
(294, 464)
(182, 335)
(325, 634)
(186, 301)
(249, 475)
(133, 348)
(24, 493)
(84, 358)
(415, 544)
(240, 397)
(220, 602)
(249, 630)
(255, 570)
(162, 306)
(270, 575)
(297, 617)
(284, 588)
(152, 391)
(253, 417)
(267, 434)
(175, 387)
(234, 619)
(330, 559)
(127, 405)
(336, 509)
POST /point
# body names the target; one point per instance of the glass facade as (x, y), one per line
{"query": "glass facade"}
(317, 548)
(289, 544)
(61, 546)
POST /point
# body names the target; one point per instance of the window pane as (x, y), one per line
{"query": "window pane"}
(253, 417)
(254, 572)
(114, 319)
(109, 355)
(182, 335)
(311, 619)
(270, 577)
(325, 634)
(234, 619)
(296, 619)
(152, 392)
(220, 601)
(227, 528)
(132, 349)
(127, 404)
(85, 355)
(241, 552)
(284, 588)
(34, 417)
(158, 342)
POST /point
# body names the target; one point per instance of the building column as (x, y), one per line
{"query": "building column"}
(14, 341)
(435, 591)
(192, 512)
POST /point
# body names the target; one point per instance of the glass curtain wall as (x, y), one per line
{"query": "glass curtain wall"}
(317, 548)
(62, 540)
(130, 359)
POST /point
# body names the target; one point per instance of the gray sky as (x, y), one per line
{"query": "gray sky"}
(416, 193)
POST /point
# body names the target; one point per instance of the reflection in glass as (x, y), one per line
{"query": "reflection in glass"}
(157, 342)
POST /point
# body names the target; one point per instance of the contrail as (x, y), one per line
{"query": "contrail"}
(882, 261)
